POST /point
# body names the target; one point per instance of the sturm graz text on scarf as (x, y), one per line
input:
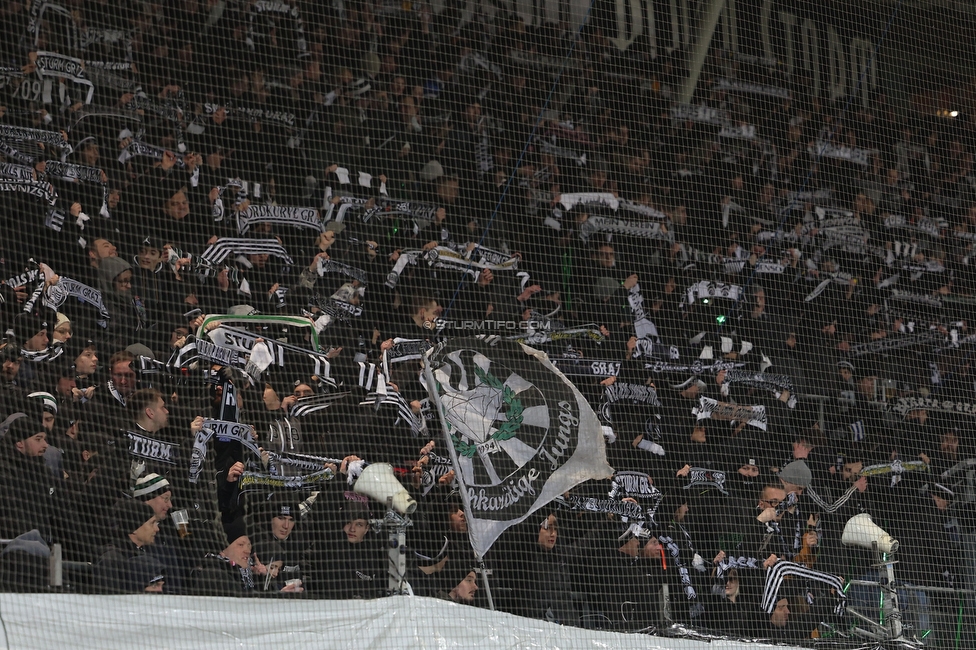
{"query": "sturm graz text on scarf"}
(52, 64)
(66, 288)
(143, 446)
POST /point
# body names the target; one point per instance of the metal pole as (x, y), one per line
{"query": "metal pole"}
(700, 52)
(465, 501)
(55, 576)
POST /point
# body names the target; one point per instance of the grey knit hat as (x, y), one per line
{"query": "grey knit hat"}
(796, 473)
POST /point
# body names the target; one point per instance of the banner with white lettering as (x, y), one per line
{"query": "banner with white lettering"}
(520, 432)
(143, 446)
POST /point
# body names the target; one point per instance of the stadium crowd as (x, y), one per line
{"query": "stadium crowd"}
(264, 213)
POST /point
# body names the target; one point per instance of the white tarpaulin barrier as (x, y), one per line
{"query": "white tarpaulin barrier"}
(63, 621)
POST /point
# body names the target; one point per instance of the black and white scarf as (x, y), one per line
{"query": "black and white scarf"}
(700, 114)
(736, 86)
(575, 367)
(842, 279)
(895, 469)
(709, 289)
(73, 172)
(12, 153)
(547, 145)
(626, 510)
(923, 226)
(315, 403)
(17, 172)
(597, 224)
(702, 478)
(169, 109)
(60, 66)
(38, 189)
(296, 217)
(825, 149)
(253, 114)
(738, 131)
(149, 448)
(782, 570)
(43, 136)
(896, 343)
(905, 405)
(216, 253)
(332, 267)
(405, 415)
(137, 148)
(444, 257)
(263, 481)
(778, 385)
(270, 10)
(709, 408)
(626, 393)
(337, 211)
(558, 335)
(638, 486)
(422, 214)
(696, 367)
(58, 294)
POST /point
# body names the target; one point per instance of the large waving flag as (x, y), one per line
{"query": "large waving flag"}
(520, 432)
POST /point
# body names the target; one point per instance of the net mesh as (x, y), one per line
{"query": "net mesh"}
(277, 278)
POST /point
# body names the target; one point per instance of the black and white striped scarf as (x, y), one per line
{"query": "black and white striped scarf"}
(216, 253)
(782, 569)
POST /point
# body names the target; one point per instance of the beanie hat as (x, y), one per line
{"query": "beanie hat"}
(797, 473)
(235, 530)
(282, 506)
(21, 428)
(129, 515)
(10, 351)
(26, 326)
(109, 269)
(142, 572)
(48, 401)
(150, 486)
(140, 350)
